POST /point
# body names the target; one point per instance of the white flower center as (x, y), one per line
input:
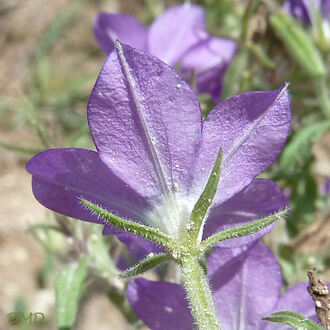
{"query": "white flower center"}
(171, 215)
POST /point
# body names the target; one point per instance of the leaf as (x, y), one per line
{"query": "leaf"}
(298, 43)
(68, 290)
(292, 319)
(99, 256)
(240, 231)
(151, 261)
(205, 200)
(233, 76)
(298, 151)
(132, 227)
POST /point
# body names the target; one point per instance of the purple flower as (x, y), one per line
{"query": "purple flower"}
(177, 37)
(304, 9)
(325, 190)
(155, 153)
(246, 285)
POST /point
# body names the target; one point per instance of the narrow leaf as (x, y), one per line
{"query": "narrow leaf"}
(233, 76)
(298, 43)
(240, 231)
(151, 234)
(205, 200)
(146, 264)
(296, 154)
(292, 319)
(68, 290)
(99, 256)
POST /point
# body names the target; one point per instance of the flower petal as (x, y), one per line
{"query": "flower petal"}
(325, 9)
(62, 176)
(175, 31)
(146, 123)
(246, 285)
(259, 199)
(109, 27)
(161, 305)
(138, 247)
(209, 60)
(295, 299)
(299, 9)
(251, 129)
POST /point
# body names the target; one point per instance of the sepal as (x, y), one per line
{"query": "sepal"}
(241, 231)
(149, 233)
(205, 200)
(150, 262)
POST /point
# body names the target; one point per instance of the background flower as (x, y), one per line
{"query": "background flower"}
(179, 38)
(304, 9)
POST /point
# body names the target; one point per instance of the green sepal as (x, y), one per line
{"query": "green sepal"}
(240, 231)
(292, 319)
(298, 43)
(205, 200)
(149, 233)
(151, 261)
(69, 283)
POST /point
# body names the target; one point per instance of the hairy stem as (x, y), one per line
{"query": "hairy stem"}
(199, 294)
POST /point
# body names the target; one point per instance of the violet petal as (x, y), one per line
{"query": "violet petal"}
(325, 9)
(251, 129)
(299, 9)
(138, 247)
(161, 305)
(136, 114)
(246, 285)
(62, 176)
(175, 31)
(109, 27)
(208, 59)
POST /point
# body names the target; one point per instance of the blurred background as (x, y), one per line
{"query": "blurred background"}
(48, 66)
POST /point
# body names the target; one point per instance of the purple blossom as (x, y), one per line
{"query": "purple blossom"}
(325, 190)
(246, 285)
(177, 37)
(303, 9)
(155, 153)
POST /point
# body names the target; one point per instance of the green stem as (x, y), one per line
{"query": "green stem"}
(199, 294)
(323, 96)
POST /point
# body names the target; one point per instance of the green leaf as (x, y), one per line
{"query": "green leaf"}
(205, 200)
(151, 261)
(292, 319)
(240, 231)
(297, 153)
(149, 233)
(298, 43)
(18, 148)
(69, 283)
(261, 55)
(35, 119)
(233, 76)
(98, 251)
